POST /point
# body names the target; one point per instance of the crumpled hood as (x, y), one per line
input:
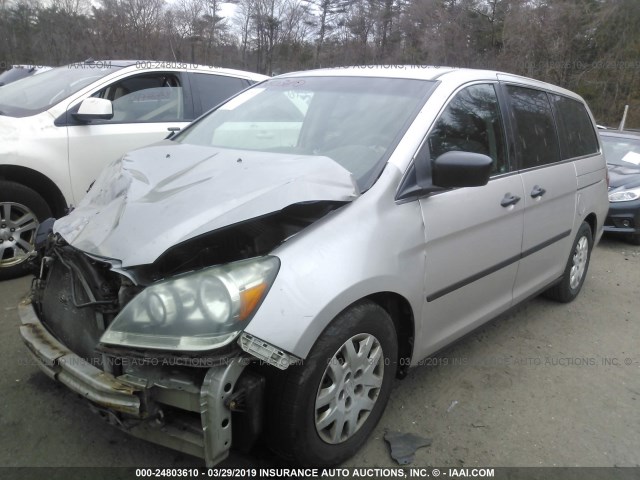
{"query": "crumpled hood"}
(162, 195)
(620, 175)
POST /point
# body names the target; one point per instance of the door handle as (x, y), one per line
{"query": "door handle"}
(537, 191)
(509, 200)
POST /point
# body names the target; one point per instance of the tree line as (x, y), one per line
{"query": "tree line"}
(589, 46)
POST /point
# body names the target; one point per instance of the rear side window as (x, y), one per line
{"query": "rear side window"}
(213, 89)
(577, 137)
(535, 133)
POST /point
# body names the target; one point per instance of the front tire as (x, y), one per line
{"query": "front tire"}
(575, 271)
(325, 408)
(21, 211)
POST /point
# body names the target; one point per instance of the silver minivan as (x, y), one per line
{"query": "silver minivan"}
(273, 267)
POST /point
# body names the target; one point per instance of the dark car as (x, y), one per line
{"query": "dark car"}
(18, 72)
(622, 151)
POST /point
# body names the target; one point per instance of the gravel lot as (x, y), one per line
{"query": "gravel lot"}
(546, 385)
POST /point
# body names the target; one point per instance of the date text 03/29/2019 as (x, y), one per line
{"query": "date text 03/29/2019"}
(314, 472)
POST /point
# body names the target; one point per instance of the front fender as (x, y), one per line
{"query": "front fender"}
(369, 246)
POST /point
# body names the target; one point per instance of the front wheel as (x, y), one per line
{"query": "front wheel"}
(325, 408)
(575, 271)
(21, 211)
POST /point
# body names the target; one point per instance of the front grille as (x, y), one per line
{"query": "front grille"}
(67, 309)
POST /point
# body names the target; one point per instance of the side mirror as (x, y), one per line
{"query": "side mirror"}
(461, 169)
(94, 109)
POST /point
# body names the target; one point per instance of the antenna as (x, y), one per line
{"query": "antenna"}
(172, 51)
(624, 118)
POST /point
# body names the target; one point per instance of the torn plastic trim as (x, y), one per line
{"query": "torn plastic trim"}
(404, 445)
(266, 352)
(60, 364)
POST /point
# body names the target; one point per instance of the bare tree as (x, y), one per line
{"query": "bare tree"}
(72, 7)
(144, 19)
(214, 28)
(243, 20)
(328, 14)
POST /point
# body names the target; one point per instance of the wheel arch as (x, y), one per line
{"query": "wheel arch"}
(38, 182)
(400, 311)
(592, 221)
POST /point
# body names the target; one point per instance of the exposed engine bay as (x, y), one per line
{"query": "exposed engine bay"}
(248, 239)
(77, 296)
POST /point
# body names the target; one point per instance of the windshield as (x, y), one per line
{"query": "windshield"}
(355, 121)
(621, 151)
(38, 93)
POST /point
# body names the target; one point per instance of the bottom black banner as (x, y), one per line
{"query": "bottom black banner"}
(498, 473)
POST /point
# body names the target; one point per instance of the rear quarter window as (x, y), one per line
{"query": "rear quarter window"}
(577, 136)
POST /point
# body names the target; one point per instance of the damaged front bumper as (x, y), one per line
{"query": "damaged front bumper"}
(192, 414)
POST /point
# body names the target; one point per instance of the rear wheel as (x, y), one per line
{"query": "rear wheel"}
(576, 269)
(325, 408)
(21, 211)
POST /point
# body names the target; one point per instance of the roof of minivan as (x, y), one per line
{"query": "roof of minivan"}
(421, 72)
(429, 72)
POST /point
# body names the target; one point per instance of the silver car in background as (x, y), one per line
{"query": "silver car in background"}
(272, 268)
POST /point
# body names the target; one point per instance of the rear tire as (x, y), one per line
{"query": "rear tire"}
(324, 409)
(575, 271)
(21, 211)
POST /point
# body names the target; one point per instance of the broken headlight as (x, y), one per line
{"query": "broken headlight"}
(196, 311)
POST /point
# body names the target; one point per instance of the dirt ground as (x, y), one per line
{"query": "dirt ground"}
(546, 385)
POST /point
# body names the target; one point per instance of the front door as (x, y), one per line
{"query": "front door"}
(473, 235)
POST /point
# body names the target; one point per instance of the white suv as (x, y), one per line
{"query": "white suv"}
(60, 128)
